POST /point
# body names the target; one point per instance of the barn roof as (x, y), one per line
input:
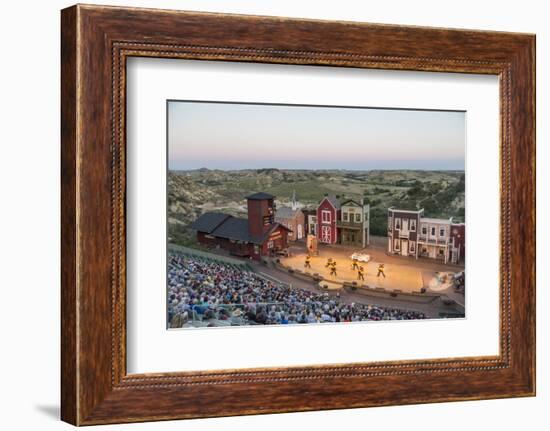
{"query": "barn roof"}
(260, 196)
(286, 212)
(233, 228)
(334, 201)
(226, 226)
(209, 221)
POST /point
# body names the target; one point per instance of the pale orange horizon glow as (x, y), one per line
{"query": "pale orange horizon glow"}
(241, 136)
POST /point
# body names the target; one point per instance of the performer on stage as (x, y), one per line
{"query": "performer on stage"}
(381, 270)
(333, 268)
(308, 262)
(329, 262)
(360, 274)
(355, 264)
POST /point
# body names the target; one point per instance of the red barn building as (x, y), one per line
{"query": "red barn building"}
(346, 223)
(328, 213)
(256, 236)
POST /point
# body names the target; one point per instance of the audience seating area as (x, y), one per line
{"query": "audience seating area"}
(206, 292)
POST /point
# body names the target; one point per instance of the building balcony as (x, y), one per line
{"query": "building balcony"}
(405, 233)
(349, 225)
(434, 241)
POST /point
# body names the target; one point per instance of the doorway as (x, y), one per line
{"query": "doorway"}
(404, 247)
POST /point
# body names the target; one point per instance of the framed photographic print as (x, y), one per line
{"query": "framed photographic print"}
(334, 214)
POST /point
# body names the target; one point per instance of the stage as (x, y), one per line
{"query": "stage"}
(405, 274)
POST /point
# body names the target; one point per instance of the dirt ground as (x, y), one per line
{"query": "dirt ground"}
(403, 273)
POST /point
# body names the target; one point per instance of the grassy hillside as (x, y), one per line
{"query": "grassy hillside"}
(191, 193)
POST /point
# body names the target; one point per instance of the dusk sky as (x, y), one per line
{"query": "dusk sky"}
(245, 136)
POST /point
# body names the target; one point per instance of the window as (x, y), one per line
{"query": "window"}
(325, 216)
(357, 218)
(398, 223)
(396, 245)
(345, 216)
(270, 244)
(412, 246)
(389, 223)
(433, 231)
(413, 225)
(441, 231)
(313, 219)
(441, 251)
(424, 230)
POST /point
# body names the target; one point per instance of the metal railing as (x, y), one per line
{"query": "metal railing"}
(350, 224)
(434, 241)
(405, 233)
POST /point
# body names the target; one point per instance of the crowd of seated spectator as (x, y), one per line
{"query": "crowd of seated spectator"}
(214, 292)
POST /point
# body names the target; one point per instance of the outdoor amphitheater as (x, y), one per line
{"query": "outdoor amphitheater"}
(206, 290)
(401, 278)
